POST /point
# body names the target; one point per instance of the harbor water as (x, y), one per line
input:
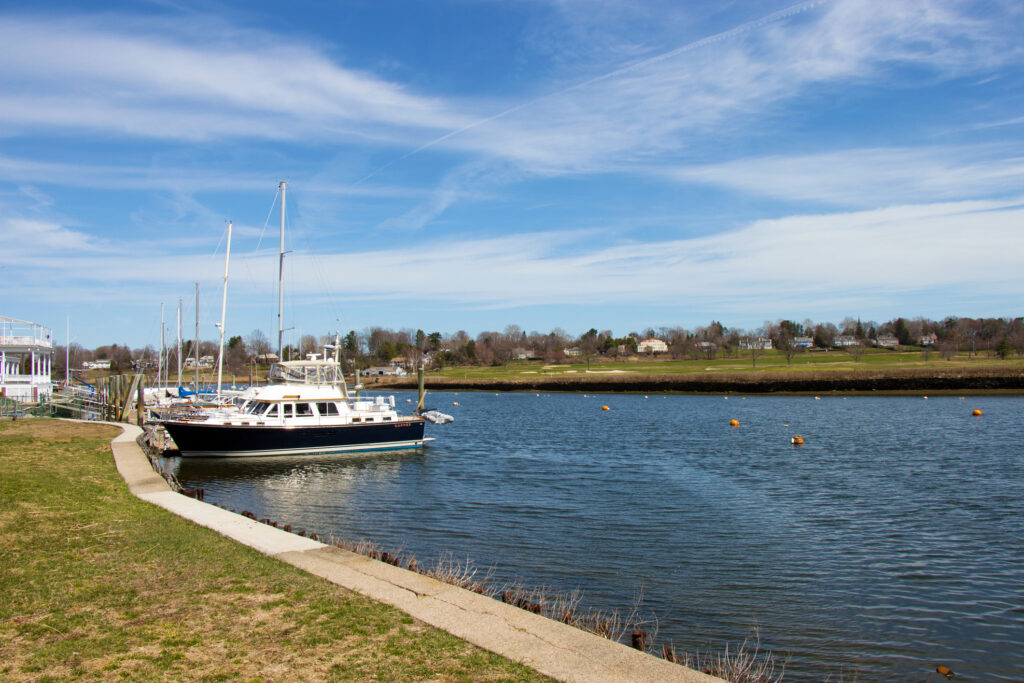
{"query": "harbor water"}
(888, 544)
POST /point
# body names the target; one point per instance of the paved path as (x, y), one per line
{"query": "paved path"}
(550, 647)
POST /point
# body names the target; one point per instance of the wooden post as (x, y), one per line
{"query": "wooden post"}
(140, 405)
(421, 384)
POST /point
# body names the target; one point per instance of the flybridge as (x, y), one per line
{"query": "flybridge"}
(25, 346)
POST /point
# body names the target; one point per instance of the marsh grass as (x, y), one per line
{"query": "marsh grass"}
(98, 585)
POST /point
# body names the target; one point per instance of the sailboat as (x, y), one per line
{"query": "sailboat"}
(305, 408)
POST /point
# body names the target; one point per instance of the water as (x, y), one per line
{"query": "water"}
(891, 542)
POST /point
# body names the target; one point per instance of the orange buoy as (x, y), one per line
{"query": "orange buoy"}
(797, 440)
(605, 408)
(734, 423)
(976, 413)
(455, 403)
(945, 671)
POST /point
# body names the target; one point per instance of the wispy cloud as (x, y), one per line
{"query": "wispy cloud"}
(870, 177)
(173, 80)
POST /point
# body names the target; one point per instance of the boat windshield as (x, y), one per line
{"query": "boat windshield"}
(307, 372)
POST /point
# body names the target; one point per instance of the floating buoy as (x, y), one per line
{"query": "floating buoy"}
(605, 408)
(408, 400)
(455, 403)
(945, 671)
(817, 398)
(976, 413)
(734, 423)
(926, 398)
(797, 440)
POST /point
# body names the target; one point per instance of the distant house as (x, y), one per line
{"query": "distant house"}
(803, 342)
(265, 358)
(887, 341)
(930, 339)
(706, 345)
(760, 343)
(520, 353)
(96, 364)
(383, 370)
(572, 352)
(652, 345)
(845, 340)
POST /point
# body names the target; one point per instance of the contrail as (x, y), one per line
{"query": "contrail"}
(689, 47)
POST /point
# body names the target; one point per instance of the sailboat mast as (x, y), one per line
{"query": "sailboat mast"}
(160, 361)
(195, 349)
(179, 341)
(280, 281)
(223, 310)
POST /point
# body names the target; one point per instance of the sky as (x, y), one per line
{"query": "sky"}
(471, 164)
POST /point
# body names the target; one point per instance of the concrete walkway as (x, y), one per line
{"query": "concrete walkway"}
(550, 647)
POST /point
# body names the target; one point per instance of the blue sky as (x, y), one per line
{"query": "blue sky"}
(473, 164)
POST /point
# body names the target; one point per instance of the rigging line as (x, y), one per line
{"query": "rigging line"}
(277, 194)
(689, 47)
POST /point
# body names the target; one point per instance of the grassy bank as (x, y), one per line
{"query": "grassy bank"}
(807, 372)
(100, 585)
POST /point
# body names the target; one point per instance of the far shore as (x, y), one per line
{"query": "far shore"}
(960, 380)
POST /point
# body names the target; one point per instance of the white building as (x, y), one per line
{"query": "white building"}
(652, 345)
(96, 364)
(845, 340)
(760, 343)
(26, 359)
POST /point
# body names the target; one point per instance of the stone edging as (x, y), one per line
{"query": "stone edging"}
(552, 648)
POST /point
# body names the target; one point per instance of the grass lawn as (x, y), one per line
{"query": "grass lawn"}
(98, 584)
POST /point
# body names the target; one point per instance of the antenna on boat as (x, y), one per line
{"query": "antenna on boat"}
(223, 309)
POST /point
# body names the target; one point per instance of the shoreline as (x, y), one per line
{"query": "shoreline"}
(851, 382)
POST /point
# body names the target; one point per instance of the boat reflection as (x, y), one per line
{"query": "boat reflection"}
(330, 473)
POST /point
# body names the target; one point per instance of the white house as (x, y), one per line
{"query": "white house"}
(930, 339)
(845, 340)
(103, 364)
(652, 345)
(803, 342)
(762, 343)
(887, 340)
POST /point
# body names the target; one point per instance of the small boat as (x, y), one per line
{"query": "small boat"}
(305, 409)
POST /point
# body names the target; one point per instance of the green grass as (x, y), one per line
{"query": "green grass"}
(100, 585)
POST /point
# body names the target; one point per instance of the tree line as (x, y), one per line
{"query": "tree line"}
(381, 346)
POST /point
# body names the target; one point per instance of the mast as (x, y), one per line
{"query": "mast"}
(67, 355)
(223, 309)
(280, 280)
(195, 348)
(179, 341)
(160, 361)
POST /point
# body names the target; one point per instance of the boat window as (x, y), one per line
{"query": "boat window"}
(326, 409)
(303, 409)
(289, 409)
(387, 419)
(369, 419)
(357, 419)
(275, 410)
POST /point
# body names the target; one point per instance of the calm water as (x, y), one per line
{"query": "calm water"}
(891, 542)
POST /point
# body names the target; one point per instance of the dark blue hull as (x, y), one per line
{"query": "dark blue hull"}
(203, 439)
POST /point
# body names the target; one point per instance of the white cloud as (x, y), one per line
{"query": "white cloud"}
(145, 80)
(869, 177)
